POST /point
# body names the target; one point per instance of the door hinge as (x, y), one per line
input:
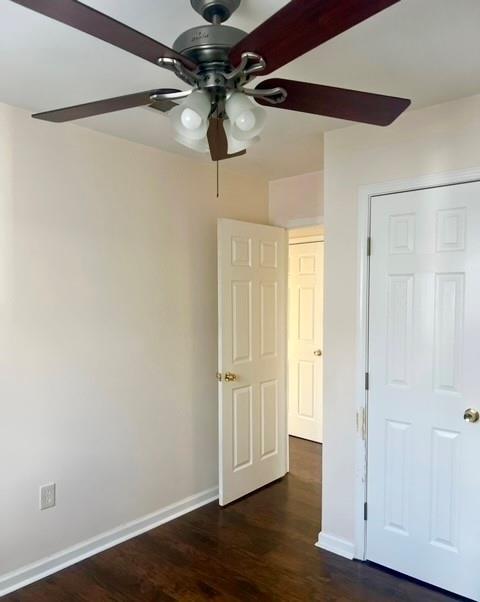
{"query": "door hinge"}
(365, 511)
(369, 246)
(367, 381)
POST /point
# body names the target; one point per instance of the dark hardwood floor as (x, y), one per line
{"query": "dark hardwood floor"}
(259, 548)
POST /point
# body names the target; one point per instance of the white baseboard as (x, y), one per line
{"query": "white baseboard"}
(38, 570)
(336, 545)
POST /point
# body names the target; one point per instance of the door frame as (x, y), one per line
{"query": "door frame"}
(365, 195)
(305, 239)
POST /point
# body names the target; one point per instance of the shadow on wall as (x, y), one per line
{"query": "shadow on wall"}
(296, 201)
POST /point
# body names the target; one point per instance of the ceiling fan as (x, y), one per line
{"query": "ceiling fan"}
(220, 112)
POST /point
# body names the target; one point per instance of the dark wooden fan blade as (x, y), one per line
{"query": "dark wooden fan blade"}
(302, 25)
(91, 21)
(163, 105)
(100, 107)
(217, 141)
(336, 102)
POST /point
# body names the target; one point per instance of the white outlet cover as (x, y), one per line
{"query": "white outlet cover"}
(47, 496)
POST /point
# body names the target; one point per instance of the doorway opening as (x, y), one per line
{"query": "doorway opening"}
(305, 334)
(252, 364)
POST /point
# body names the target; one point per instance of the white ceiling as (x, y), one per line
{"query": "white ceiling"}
(427, 50)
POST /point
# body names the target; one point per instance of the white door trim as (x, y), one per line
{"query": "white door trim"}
(317, 220)
(365, 195)
(301, 240)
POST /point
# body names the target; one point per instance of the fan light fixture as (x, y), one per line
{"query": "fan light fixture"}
(247, 120)
(243, 124)
(190, 118)
(235, 145)
(200, 146)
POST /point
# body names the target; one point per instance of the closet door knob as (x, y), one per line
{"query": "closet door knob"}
(471, 415)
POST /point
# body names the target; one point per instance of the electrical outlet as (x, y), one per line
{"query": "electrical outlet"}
(47, 496)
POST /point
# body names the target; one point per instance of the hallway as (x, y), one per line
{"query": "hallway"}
(259, 548)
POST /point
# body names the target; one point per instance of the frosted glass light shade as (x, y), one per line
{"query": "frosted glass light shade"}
(234, 145)
(201, 146)
(247, 119)
(190, 118)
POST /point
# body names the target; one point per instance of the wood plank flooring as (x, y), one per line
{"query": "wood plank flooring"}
(257, 549)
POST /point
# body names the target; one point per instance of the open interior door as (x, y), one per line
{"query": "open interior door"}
(305, 340)
(252, 279)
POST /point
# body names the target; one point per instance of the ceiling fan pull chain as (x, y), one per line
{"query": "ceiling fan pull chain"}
(218, 162)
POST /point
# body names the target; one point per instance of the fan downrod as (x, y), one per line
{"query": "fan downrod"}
(215, 11)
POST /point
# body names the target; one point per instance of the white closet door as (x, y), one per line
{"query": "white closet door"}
(305, 340)
(252, 356)
(423, 485)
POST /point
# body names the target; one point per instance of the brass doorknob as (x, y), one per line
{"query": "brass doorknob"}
(471, 415)
(230, 377)
(317, 352)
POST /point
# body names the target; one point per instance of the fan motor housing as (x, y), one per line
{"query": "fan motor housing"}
(208, 43)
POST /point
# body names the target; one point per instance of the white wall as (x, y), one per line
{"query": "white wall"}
(108, 329)
(296, 201)
(437, 139)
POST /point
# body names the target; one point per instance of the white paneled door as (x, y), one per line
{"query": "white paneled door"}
(252, 276)
(423, 428)
(305, 340)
